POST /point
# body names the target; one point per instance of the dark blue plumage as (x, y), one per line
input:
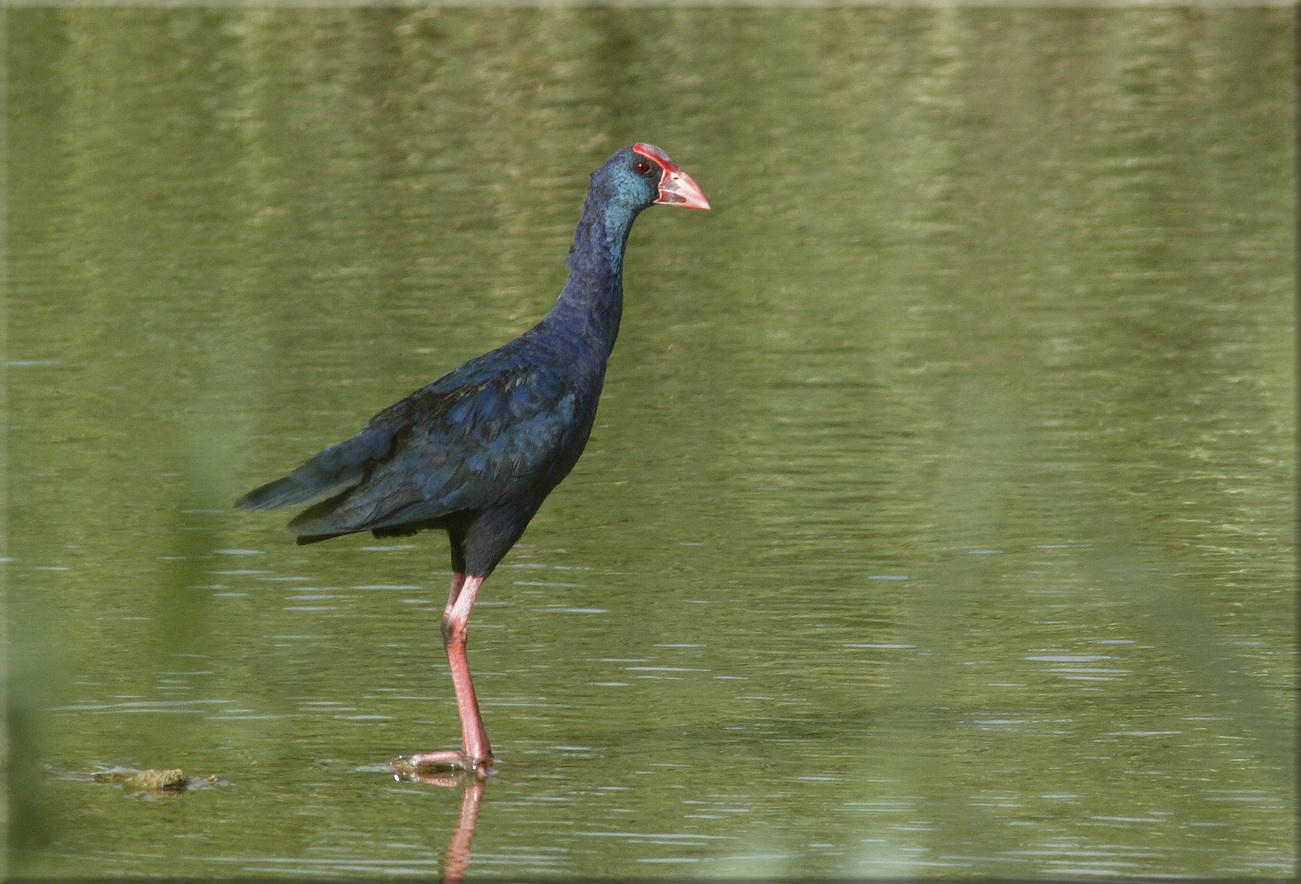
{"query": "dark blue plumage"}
(475, 452)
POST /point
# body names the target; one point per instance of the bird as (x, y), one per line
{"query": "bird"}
(476, 452)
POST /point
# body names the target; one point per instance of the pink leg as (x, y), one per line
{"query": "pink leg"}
(458, 580)
(456, 620)
(475, 754)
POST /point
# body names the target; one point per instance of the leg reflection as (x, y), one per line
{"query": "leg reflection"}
(456, 859)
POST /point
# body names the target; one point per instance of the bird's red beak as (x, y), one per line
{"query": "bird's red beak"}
(676, 187)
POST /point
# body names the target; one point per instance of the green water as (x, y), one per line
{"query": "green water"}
(939, 515)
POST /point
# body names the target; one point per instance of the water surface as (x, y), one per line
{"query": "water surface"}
(939, 515)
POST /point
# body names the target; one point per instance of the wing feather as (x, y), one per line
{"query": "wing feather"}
(446, 448)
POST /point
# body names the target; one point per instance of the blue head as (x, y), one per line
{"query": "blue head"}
(636, 177)
(644, 175)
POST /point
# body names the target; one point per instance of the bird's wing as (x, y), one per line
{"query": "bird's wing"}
(467, 440)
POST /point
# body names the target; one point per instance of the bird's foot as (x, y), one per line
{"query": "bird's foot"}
(422, 763)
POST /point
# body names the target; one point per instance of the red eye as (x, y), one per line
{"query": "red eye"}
(641, 167)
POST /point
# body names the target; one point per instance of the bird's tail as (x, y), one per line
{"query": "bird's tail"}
(294, 488)
(329, 472)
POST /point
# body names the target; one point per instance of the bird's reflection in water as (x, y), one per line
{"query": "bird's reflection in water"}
(456, 859)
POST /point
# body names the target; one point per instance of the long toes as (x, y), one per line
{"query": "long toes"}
(449, 761)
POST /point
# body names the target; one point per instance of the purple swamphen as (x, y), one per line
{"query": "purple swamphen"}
(476, 452)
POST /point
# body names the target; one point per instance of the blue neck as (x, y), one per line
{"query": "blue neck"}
(591, 303)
